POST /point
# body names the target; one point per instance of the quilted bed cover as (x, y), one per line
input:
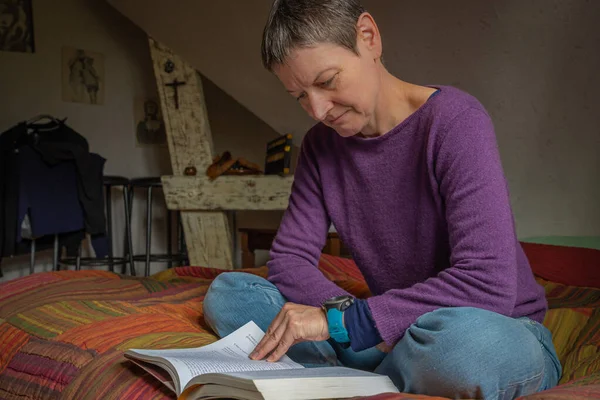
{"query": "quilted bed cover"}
(63, 334)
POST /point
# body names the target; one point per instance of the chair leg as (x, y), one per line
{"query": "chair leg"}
(78, 259)
(32, 257)
(129, 243)
(248, 260)
(108, 194)
(169, 239)
(55, 254)
(148, 230)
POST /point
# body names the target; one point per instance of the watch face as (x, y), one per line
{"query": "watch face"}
(339, 302)
(336, 300)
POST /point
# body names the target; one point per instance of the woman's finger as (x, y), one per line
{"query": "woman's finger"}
(272, 327)
(275, 324)
(270, 340)
(286, 341)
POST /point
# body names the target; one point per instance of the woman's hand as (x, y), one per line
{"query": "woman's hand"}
(295, 323)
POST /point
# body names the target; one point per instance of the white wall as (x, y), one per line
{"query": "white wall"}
(30, 84)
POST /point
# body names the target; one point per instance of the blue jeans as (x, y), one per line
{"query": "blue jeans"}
(451, 352)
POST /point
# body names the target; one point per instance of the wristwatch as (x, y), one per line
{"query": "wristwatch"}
(334, 309)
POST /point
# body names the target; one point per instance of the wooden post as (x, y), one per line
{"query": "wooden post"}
(190, 145)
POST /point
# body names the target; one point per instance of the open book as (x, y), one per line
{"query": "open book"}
(223, 369)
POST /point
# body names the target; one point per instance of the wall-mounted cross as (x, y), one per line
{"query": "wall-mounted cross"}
(175, 85)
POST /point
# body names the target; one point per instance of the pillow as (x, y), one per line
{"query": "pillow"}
(573, 266)
(345, 273)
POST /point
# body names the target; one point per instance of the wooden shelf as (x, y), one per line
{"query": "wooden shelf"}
(227, 192)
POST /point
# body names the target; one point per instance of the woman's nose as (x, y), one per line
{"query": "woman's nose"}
(319, 107)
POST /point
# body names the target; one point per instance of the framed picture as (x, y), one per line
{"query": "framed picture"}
(82, 76)
(149, 125)
(16, 26)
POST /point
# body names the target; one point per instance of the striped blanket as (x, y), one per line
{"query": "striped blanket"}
(62, 334)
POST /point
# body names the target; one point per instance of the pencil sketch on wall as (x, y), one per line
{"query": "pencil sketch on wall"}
(82, 76)
(16, 26)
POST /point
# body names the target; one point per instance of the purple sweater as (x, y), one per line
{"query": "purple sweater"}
(424, 210)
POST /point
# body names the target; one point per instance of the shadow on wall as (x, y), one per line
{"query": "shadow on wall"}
(548, 69)
(534, 66)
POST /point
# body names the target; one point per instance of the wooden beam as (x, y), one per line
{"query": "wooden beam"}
(261, 192)
(190, 145)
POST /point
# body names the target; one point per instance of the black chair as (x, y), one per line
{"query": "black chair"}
(148, 257)
(109, 183)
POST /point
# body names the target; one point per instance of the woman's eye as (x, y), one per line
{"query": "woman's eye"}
(301, 96)
(328, 82)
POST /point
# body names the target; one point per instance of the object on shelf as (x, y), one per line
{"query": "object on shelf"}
(225, 164)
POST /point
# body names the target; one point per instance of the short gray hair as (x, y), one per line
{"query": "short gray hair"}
(305, 23)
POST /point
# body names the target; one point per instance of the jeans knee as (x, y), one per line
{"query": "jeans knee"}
(225, 291)
(232, 281)
(215, 295)
(461, 335)
(233, 298)
(450, 340)
(468, 352)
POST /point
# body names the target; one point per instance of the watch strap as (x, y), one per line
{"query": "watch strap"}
(335, 321)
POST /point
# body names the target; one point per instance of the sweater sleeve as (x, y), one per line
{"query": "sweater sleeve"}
(465, 168)
(301, 236)
(360, 325)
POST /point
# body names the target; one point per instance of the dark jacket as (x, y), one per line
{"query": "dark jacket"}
(53, 143)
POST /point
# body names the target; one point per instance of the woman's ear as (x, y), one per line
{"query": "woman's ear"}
(368, 37)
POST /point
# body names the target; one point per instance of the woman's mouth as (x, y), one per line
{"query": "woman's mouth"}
(336, 119)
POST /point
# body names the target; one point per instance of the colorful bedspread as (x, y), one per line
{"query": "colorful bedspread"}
(62, 334)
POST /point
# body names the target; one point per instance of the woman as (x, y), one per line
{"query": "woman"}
(411, 178)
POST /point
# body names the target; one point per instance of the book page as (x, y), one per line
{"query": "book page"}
(199, 366)
(322, 372)
(229, 354)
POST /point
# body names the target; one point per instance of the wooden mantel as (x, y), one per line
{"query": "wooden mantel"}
(202, 202)
(262, 192)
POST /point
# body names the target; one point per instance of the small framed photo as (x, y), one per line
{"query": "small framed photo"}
(149, 127)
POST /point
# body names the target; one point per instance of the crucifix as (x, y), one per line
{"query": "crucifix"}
(175, 85)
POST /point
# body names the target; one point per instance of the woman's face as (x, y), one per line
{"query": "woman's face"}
(334, 85)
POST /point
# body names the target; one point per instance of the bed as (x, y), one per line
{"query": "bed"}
(62, 334)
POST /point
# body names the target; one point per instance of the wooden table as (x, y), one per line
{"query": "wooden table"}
(262, 239)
